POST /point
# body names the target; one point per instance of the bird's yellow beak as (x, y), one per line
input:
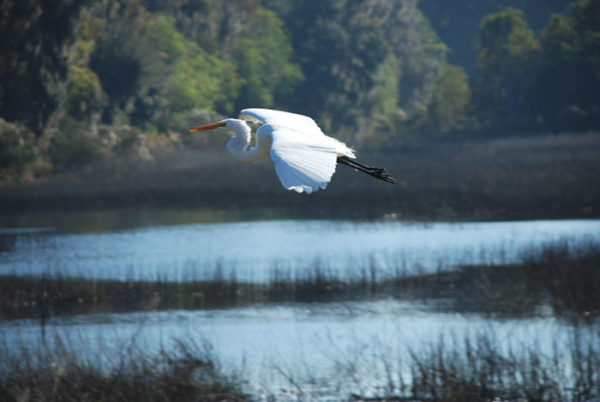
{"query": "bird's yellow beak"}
(210, 126)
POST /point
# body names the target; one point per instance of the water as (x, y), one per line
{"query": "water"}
(251, 250)
(327, 348)
(348, 347)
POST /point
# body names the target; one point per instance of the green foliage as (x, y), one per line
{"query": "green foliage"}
(125, 141)
(200, 81)
(505, 38)
(74, 145)
(572, 58)
(339, 52)
(347, 52)
(154, 75)
(180, 75)
(33, 35)
(157, 47)
(451, 97)
(164, 39)
(18, 150)
(508, 53)
(115, 60)
(457, 22)
(367, 70)
(385, 88)
(84, 92)
(383, 101)
(265, 65)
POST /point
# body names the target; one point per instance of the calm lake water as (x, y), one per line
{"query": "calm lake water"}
(324, 349)
(250, 251)
(327, 347)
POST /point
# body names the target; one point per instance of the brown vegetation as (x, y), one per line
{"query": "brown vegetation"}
(510, 178)
(56, 374)
(556, 280)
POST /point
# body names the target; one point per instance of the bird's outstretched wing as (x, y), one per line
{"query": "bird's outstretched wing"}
(303, 163)
(296, 122)
(304, 157)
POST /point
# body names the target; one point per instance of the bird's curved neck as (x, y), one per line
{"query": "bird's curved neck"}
(239, 146)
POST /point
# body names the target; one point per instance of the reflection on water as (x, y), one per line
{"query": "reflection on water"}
(250, 250)
(304, 341)
(341, 348)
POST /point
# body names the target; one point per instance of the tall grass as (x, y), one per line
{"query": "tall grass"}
(33, 372)
(480, 367)
(483, 367)
(510, 178)
(562, 279)
(558, 279)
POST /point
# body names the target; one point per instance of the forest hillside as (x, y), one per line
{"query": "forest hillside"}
(84, 80)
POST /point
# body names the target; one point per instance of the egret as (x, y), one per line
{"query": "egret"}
(304, 157)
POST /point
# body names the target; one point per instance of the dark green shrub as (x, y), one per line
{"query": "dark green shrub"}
(74, 145)
(18, 150)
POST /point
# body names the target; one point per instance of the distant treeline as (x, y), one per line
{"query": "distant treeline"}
(83, 79)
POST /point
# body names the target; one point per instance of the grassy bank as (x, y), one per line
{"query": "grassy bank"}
(473, 367)
(555, 280)
(38, 373)
(482, 368)
(510, 178)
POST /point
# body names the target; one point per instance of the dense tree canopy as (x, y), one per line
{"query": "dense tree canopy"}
(32, 61)
(457, 22)
(571, 58)
(81, 79)
(507, 60)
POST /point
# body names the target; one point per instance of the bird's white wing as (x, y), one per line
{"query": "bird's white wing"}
(304, 157)
(303, 163)
(293, 121)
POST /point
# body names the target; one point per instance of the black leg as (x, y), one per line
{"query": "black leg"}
(379, 173)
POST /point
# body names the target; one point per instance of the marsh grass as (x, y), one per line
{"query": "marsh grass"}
(493, 179)
(560, 279)
(477, 366)
(33, 372)
(482, 367)
(557, 279)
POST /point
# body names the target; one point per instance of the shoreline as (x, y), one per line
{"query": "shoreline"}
(550, 177)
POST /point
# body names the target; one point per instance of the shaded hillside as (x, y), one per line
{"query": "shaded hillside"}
(82, 81)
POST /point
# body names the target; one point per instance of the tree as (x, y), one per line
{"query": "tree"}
(18, 150)
(115, 55)
(571, 59)
(508, 53)
(339, 52)
(200, 80)
(179, 76)
(154, 75)
(451, 97)
(32, 64)
(351, 50)
(457, 22)
(265, 63)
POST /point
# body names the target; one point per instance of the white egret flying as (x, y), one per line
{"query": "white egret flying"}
(304, 157)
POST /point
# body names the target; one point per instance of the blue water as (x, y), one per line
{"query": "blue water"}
(326, 348)
(252, 250)
(330, 349)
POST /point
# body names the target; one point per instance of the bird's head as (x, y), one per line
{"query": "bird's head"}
(227, 123)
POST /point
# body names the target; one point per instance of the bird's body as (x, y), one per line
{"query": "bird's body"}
(304, 157)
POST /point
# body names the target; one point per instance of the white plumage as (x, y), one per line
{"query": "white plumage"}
(304, 157)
